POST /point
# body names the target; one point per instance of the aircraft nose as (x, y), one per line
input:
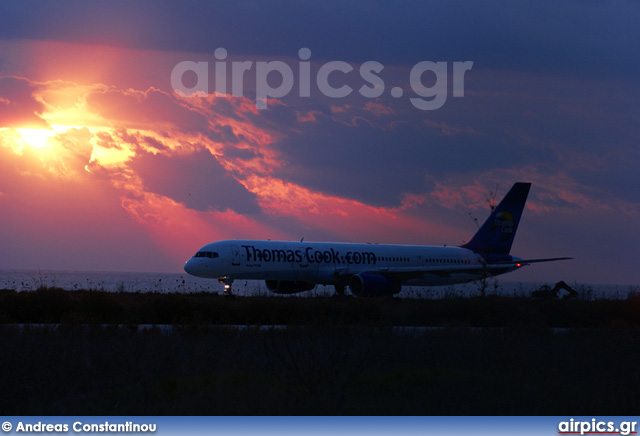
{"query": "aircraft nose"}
(190, 267)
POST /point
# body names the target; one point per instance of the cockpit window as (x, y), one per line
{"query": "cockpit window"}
(209, 254)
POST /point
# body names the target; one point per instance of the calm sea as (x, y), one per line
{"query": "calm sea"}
(23, 280)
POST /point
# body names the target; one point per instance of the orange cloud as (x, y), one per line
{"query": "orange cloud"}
(552, 192)
(308, 117)
(143, 144)
(377, 108)
(101, 133)
(349, 220)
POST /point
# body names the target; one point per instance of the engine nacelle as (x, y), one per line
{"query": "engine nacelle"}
(373, 285)
(288, 287)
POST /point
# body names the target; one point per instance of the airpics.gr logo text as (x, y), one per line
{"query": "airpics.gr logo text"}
(328, 78)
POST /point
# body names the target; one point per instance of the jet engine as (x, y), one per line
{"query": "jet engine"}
(373, 285)
(288, 287)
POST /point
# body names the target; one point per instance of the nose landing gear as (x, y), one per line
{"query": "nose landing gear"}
(227, 285)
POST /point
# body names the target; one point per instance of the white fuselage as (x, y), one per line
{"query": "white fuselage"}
(329, 263)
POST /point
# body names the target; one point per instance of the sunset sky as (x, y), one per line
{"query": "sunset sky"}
(104, 166)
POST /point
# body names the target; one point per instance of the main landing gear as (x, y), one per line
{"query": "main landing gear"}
(339, 285)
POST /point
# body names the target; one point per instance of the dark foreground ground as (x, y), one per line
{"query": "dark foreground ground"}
(490, 355)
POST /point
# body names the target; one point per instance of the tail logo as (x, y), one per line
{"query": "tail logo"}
(503, 225)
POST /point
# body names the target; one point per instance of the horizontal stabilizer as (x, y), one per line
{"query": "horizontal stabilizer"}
(527, 261)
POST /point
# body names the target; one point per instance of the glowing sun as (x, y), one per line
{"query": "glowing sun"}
(37, 138)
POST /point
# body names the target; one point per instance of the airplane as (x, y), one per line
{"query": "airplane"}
(369, 270)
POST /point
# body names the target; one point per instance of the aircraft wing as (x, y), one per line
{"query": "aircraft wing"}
(412, 272)
(528, 261)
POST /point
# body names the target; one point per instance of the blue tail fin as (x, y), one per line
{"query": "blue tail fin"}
(493, 240)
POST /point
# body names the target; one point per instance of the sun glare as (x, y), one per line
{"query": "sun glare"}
(37, 138)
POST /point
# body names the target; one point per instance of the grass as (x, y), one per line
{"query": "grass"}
(337, 356)
(54, 305)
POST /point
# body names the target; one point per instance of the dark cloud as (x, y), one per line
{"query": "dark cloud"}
(241, 153)
(378, 164)
(153, 143)
(223, 134)
(18, 107)
(577, 36)
(197, 180)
